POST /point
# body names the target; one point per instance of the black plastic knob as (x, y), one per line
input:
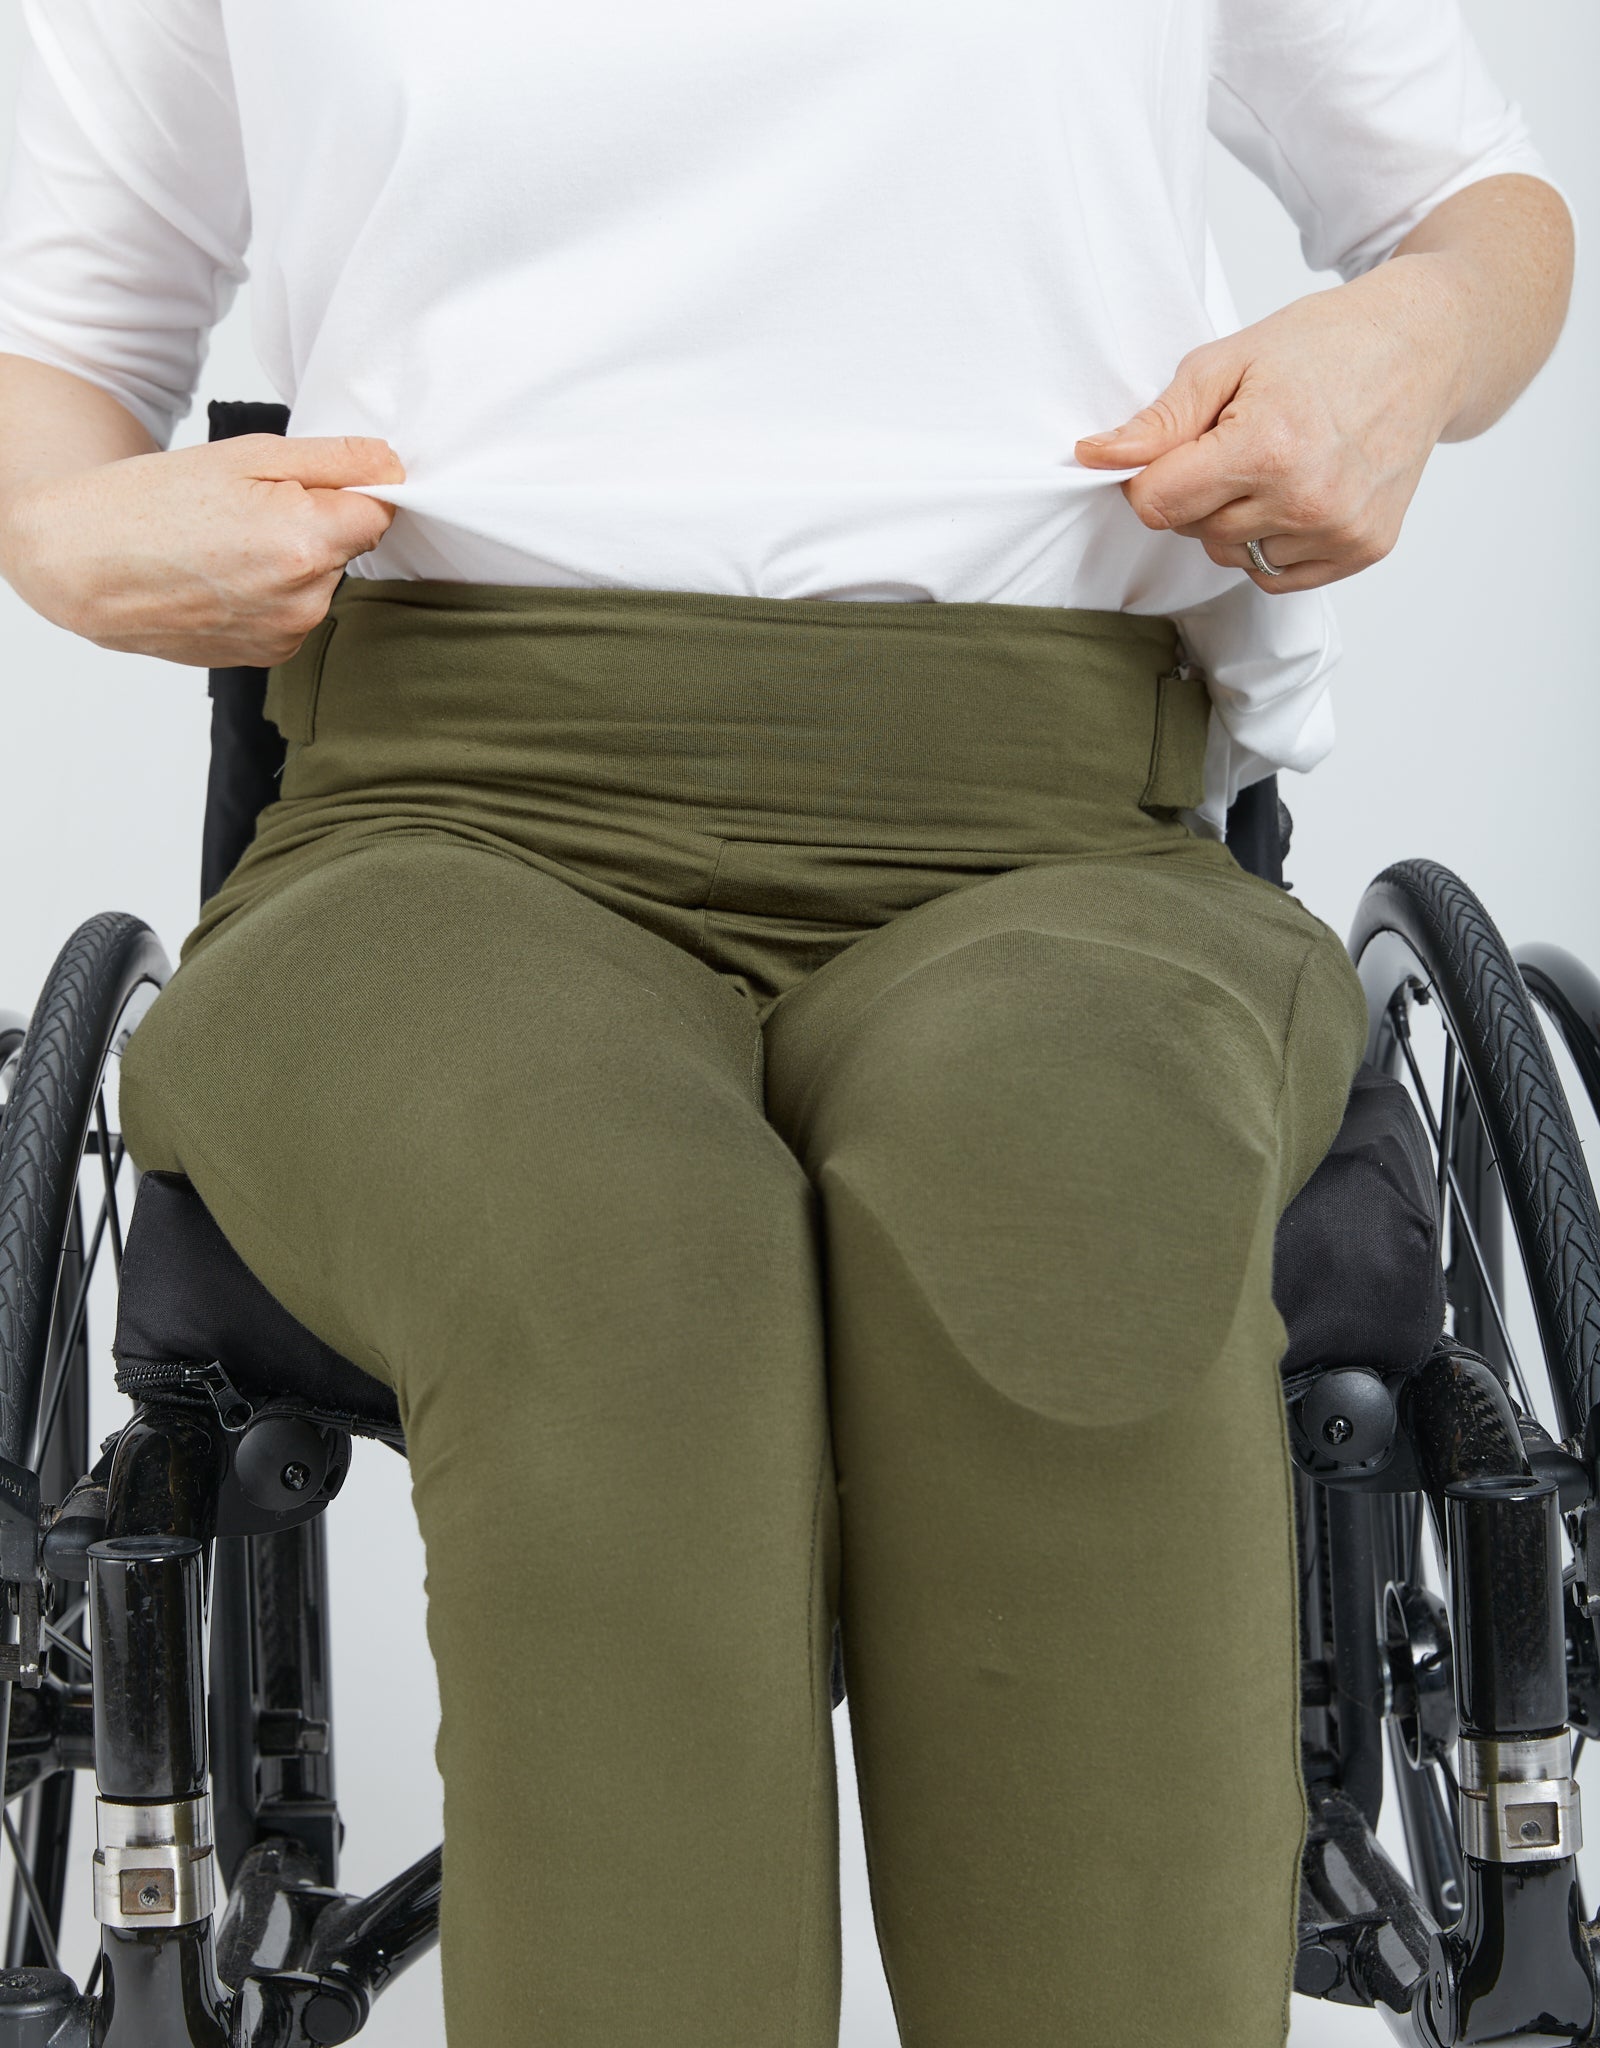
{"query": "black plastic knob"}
(33, 2003)
(281, 1460)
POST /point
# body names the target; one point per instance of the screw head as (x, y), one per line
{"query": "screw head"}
(296, 1477)
(1338, 1429)
(150, 1895)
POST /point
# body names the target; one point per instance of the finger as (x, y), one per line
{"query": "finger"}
(314, 459)
(347, 522)
(1282, 551)
(1195, 481)
(1297, 571)
(1206, 379)
(1303, 576)
(1246, 518)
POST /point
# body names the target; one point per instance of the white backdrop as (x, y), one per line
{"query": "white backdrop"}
(1468, 731)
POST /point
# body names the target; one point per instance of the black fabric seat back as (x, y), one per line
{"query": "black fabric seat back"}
(247, 749)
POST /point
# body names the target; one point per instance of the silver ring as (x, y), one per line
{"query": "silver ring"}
(1260, 559)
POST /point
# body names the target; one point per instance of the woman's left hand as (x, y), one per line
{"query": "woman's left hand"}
(1307, 432)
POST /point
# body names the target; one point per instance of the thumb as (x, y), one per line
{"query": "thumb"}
(1188, 408)
(313, 460)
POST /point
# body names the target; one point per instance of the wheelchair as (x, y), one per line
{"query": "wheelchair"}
(166, 1624)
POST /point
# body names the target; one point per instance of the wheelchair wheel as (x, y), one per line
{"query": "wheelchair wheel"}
(1451, 1016)
(61, 1159)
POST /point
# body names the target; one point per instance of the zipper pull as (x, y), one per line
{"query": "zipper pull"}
(233, 1410)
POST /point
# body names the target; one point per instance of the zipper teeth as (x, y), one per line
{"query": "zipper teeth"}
(158, 1372)
(192, 1373)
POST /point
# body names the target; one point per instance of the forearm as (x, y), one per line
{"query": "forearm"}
(55, 424)
(1485, 282)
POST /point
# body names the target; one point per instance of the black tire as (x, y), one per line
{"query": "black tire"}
(55, 1120)
(1570, 995)
(1419, 928)
(1516, 1175)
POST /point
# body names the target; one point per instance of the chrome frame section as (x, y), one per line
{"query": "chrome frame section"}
(1519, 1799)
(154, 1866)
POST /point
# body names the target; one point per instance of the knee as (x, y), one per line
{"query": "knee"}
(1074, 1170)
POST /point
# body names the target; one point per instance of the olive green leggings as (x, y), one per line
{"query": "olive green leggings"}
(800, 1121)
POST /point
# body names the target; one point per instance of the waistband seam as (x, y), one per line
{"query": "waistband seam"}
(447, 595)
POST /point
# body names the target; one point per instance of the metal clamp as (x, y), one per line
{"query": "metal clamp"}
(19, 1661)
(1519, 1800)
(154, 1866)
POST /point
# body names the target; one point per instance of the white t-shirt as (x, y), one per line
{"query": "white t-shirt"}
(805, 299)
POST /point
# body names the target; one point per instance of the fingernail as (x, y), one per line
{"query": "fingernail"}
(1094, 440)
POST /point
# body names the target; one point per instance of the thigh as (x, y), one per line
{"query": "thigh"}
(1053, 1119)
(507, 1150)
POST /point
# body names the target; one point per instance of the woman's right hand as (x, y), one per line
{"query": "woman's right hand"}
(222, 555)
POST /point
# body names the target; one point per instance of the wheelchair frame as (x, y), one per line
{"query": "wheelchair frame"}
(207, 1504)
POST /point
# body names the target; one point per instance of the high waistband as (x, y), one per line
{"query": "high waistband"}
(1015, 728)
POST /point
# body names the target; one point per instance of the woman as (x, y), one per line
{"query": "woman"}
(741, 1013)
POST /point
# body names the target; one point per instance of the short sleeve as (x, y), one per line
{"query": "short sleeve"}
(125, 215)
(1361, 115)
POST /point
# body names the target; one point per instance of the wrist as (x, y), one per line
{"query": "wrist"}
(1429, 297)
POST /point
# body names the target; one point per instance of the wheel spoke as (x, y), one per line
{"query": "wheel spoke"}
(108, 1213)
(41, 1925)
(1447, 1130)
(1402, 1033)
(63, 1364)
(110, 1167)
(1465, 1221)
(1459, 1213)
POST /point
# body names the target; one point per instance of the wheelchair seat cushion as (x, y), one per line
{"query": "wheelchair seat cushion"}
(1357, 1272)
(186, 1294)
